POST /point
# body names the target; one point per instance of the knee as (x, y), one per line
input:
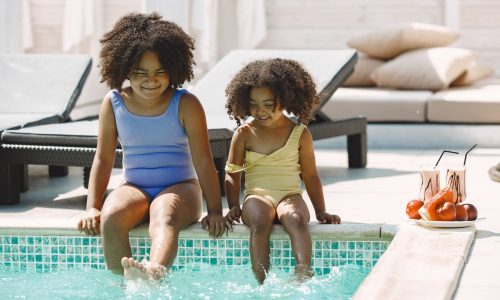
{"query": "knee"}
(295, 220)
(110, 220)
(261, 225)
(164, 221)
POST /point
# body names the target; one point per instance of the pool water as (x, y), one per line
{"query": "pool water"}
(199, 282)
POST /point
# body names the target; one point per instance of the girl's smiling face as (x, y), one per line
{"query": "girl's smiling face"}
(262, 108)
(149, 79)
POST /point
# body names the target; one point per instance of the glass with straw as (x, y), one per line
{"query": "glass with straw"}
(455, 179)
(430, 179)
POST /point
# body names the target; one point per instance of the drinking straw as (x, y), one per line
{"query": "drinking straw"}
(442, 156)
(468, 153)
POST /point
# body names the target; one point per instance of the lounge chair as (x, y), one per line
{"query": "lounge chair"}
(38, 89)
(74, 143)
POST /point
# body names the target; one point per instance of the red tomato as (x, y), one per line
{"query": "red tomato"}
(471, 211)
(461, 213)
(446, 212)
(412, 209)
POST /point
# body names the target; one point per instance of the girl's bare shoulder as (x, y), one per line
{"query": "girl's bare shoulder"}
(244, 131)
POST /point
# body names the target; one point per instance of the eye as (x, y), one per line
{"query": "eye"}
(140, 73)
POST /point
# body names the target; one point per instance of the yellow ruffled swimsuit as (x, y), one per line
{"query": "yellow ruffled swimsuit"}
(275, 175)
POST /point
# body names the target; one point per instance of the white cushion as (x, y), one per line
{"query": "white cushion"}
(378, 105)
(472, 104)
(473, 73)
(362, 71)
(424, 69)
(390, 41)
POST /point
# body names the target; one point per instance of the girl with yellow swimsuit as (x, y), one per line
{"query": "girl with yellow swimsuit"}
(276, 154)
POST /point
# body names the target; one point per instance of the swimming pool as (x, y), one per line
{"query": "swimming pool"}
(48, 266)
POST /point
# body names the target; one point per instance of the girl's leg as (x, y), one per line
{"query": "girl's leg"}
(125, 208)
(294, 216)
(259, 213)
(172, 210)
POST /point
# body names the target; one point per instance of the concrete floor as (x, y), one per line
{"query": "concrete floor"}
(375, 194)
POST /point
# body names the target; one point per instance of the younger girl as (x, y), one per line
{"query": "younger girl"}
(276, 155)
(163, 133)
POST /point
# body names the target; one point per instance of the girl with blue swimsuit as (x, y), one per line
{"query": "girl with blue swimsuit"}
(166, 153)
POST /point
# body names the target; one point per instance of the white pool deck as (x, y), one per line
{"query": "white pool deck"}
(421, 263)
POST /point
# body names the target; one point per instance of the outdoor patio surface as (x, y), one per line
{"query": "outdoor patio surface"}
(375, 194)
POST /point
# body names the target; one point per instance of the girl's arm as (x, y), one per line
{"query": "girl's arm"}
(233, 180)
(193, 119)
(312, 180)
(101, 168)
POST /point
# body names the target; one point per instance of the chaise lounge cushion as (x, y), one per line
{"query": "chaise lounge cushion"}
(388, 42)
(378, 105)
(473, 104)
(424, 69)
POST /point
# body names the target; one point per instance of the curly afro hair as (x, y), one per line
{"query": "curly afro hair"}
(292, 86)
(136, 33)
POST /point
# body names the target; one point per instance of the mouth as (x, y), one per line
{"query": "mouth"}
(150, 89)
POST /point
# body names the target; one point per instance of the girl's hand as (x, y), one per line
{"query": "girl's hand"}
(214, 223)
(91, 222)
(326, 218)
(233, 216)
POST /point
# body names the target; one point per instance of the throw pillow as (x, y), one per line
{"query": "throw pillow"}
(362, 71)
(388, 42)
(424, 69)
(473, 73)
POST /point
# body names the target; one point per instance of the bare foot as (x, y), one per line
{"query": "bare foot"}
(133, 269)
(156, 271)
(302, 273)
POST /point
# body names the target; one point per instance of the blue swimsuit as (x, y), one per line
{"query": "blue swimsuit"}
(156, 151)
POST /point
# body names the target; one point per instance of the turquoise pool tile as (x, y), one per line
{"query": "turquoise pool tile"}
(327, 244)
(342, 245)
(87, 252)
(318, 245)
(287, 245)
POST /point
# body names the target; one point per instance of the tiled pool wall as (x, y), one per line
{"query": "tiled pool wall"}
(53, 253)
